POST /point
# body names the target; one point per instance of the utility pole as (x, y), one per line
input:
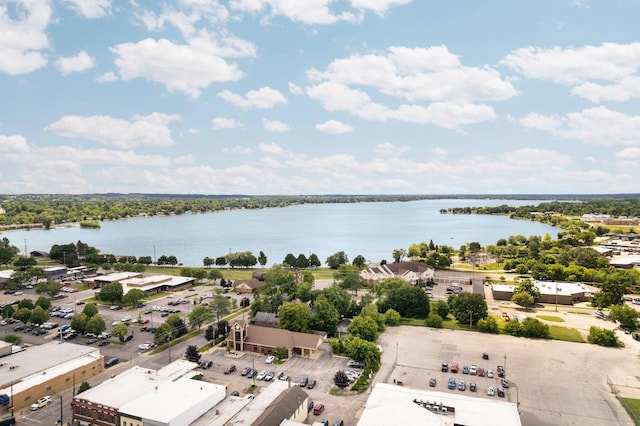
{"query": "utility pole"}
(556, 296)
(505, 365)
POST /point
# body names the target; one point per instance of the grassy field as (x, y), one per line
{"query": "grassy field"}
(565, 334)
(633, 408)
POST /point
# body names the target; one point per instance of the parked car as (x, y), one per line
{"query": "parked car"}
(473, 370)
(104, 343)
(311, 384)
(485, 355)
(490, 374)
(452, 383)
(445, 367)
(481, 372)
(356, 364)
(111, 362)
(304, 382)
(501, 392)
(317, 409)
(491, 391)
(270, 359)
(500, 371)
(465, 369)
(454, 367)
(472, 387)
(504, 383)
(235, 393)
(91, 341)
(462, 385)
(245, 371)
(230, 369)
(251, 374)
(41, 402)
(261, 375)
(432, 382)
(270, 376)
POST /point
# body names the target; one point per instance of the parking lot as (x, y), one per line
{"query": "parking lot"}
(554, 383)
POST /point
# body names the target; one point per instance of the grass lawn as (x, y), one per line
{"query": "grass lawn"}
(565, 334)
(550, 318)
(633, 407)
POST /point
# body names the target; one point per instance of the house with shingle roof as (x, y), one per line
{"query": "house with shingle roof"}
(248, 286)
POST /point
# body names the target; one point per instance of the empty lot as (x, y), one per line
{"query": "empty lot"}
(555, 383)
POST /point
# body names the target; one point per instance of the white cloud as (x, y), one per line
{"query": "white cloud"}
(294, 89)
(440, 90)
(185, 16)
(439, 152)
(238, 150)
(186, 68)
(629, 154)
(380, 7)
(581, 66)
(334, 127)
(107, 77)
(275, 126)
(151, 130)
(263, 98)
(225, 123)
(23, 40)
(81, 62)
(389, 149)
(90, 9)
(315, 12)
(193, 130)
(13, 144)
(594, 126)
(271, 148)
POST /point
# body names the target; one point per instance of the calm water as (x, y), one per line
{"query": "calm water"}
(373, 230)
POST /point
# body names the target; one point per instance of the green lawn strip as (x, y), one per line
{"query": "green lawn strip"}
(632, 406)
(565, 334)
(550, 318)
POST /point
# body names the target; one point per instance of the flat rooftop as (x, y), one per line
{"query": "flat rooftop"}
(391, 404)
(564, 288)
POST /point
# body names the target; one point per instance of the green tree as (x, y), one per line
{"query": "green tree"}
(95, 325)
(215, 275)
(22, 314)
(111, 292)
(199, 274)
(398, 255)
(359, 261)
(335, 260)
(294, 317)
(192, 353)
(388, 284)
(120, 331)
(362, 350)
(314, 261)
(43, 302)
(164, 334)
(12, 338)
(8, 311)
(348, 277)
(280, 352)
(38, 316)
(262, 259)
(625, 315)
(337, 297)
(527, 286)
(326, 316)
(133, 297)
(523, 299)
(371, 310)
(90, 309)
(392, 317)
(613, 289)
(24, 262)
(409, 301)
(220, 306)
(79, 322)
(467, 307)
(304, 292)
(603, 337)
(84, 386)
(198, 316)
(434, 321)
(26, 303)
(364, 327)
(442, 309)
(207, 262)
(209, 333)
(302, 261)
(535, 328)
(488, 325)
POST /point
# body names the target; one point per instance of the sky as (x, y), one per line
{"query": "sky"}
(275, 97)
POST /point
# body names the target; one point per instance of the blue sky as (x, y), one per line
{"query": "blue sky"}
(319, 96)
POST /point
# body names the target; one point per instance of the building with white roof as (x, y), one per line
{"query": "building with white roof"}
(141, 396)
(149, 283)
(561, 292)
(40, 370)
(390, 404)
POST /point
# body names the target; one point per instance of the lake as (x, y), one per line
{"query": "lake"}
(372, 230)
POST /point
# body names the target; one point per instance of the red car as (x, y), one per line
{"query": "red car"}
(481, 372)
(454, 367)
(104, 343)
(230, 369)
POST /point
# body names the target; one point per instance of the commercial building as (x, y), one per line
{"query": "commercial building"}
(390, 404)
(263, 340)
(140, 396)
(149, 283)
(42, 370)
(561, 292)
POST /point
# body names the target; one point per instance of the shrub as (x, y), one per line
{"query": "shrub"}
(603, 337)
(434, 320)
(513, 328)
(442, 308)
(489, 325)
(392, 317)
(532, 327)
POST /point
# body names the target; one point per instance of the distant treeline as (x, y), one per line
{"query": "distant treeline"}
(615, 206)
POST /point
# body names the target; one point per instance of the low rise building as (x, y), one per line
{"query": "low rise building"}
(561, 292)
(244, 337)
(141, 396)
(408, 271)
(149, 283)
(400, 405)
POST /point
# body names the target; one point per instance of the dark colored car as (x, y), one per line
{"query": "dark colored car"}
(104, 343)
(318, 408)
(505, 384)
(230, 369)
(501, 392)
(500, 371)
(304, 382)
(311, 384)
(245, 371)
(485, 355)
(235, 393)
(356, 364)
(473, 387)
(251, 374)
(432, 382)
(445, 367)
(111, 362)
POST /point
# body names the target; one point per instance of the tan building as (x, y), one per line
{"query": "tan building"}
(408, 271)
(561, 292)
(252, 338)
(248, 286)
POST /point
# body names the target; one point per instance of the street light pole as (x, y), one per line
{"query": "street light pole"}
(556, 296)
(505, 365)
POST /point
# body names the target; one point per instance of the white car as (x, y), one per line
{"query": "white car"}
(145, 346)
(126, 319)
(3, 322)
(261, 375)
(270, 359)
(490, 374)
(42, 402)
(116, 322)
(473, 370)
(491, 391)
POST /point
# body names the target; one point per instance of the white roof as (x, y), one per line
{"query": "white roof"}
(7, 273)
(564, 288)
(392, 404)
(627, 260)
(153, 281)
